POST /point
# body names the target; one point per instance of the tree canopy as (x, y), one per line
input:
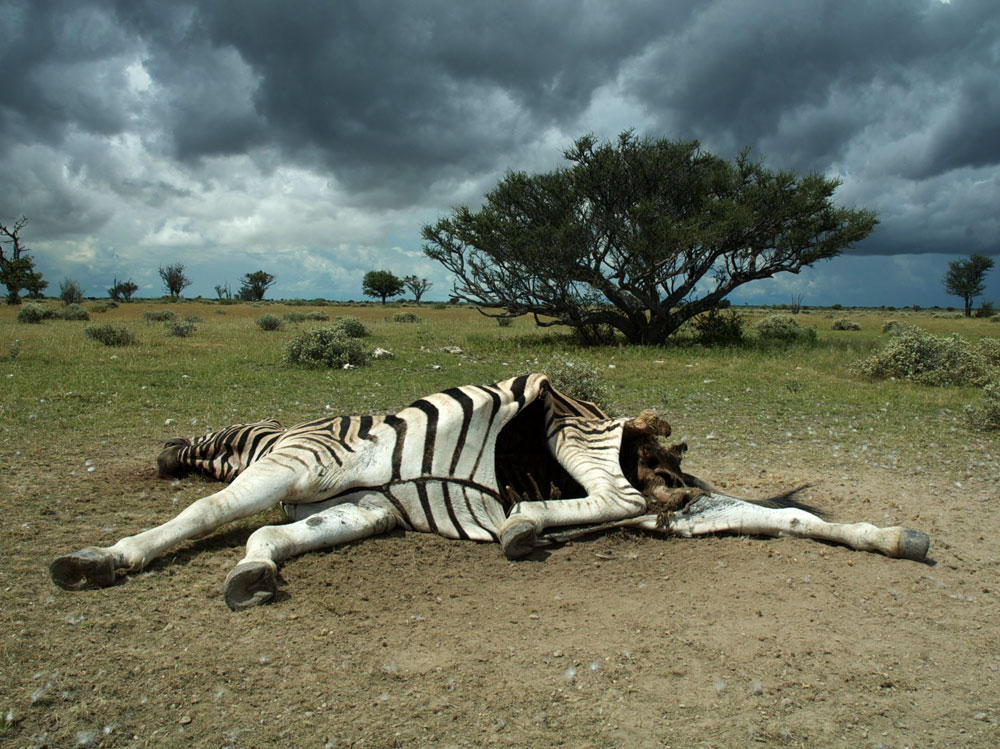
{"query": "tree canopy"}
(17, 267)
(967, 278)
(174, 278)
(382, 283)
(417, 286)
(640, 235)
(253, 286)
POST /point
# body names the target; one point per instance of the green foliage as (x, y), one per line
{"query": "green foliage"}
(382, 284)
(989, 349)
(580, 380)
(325, 347)
(350, 326)
(31, 313)
(269, 322)
(254, 286)
(966, 278)
(845, 324)
(417, 286)
(295, 317)
(109, 335)
(174, 279)
(986, 415)
(784, 329)
(74, 312)
(916, 355)
(181, 329)
(70, 292)
(717, 328)
(504, 322)
(17, 268)
(405, 317)
(122, 291)
(318, 315)
(625, 235)
(158, 315)
(986, 309)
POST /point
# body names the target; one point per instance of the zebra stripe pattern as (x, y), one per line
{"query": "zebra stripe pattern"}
(440, 458)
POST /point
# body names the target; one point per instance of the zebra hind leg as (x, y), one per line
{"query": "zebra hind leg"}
(254, 580)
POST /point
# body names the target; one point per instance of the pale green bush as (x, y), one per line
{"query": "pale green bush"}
(405, 317)
(845, 324)
(784, 329)
(269, 322)
(158, 315)
(579, 380)
(916, 355)
(986, 416)
(31, 313)
(719, 328)
(325, 347)
(109, 335)
(350, 326)
(181, 329)
(74, 312)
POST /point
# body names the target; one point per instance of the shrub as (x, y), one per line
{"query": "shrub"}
(105, 306)
(717, 328)
(181, 329)
(579, 380)
(350, 326)
(989, 349)
(845, 324)
(74, 312)
(295, 317)
(405, 317)
(269, 322)
(916, 355)
(31, 313)
(109, 335)
(70, 292)
(503, 322)
(318, 315)
(158, 315)
(324, 347)
(986, 309)
(784, 329)
(986, 416)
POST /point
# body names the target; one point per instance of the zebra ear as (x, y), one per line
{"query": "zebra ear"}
(168, 463)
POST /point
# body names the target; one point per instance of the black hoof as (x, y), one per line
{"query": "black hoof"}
(83, 569)
(250, 584)
(518, 539)
(913, 545)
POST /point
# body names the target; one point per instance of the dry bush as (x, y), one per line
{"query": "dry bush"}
(916, 355)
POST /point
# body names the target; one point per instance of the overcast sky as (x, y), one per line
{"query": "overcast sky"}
(314, 139)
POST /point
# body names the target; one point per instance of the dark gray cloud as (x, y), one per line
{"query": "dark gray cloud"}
(155, 124)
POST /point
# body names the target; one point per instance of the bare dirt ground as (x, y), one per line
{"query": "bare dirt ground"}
(409, 639)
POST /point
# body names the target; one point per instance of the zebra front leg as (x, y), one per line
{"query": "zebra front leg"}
(527, 520)
(254, 580)
(254, 490)
(716, 513)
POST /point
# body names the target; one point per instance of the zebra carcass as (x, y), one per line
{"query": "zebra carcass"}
(503, 463)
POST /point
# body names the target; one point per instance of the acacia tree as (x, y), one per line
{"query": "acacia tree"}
(254, 286)
(381, 283)
(174, 279)
(640, 235)
(417, 286)
(17, 268)
(967, 278)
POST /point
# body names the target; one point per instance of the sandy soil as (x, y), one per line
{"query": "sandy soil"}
(408, 639)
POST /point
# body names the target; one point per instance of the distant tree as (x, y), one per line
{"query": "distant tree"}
(417, 286)
(638, 235)
(967, 278)
(174, 279)
(223, 291)
(70, 292)
(254, 285)
(382, 283)
(122, 291)
(17, 268)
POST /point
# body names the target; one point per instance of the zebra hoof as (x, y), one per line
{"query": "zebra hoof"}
(913, 545)
(86, 568)
(518, 539)
(250, 584)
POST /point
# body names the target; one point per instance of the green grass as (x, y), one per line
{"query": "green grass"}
(67, 396)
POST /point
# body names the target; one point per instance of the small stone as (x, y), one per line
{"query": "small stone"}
(186, 720)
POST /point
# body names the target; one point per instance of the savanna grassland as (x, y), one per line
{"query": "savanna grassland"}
(408, 639)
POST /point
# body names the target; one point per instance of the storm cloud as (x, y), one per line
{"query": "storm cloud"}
(313, 139)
